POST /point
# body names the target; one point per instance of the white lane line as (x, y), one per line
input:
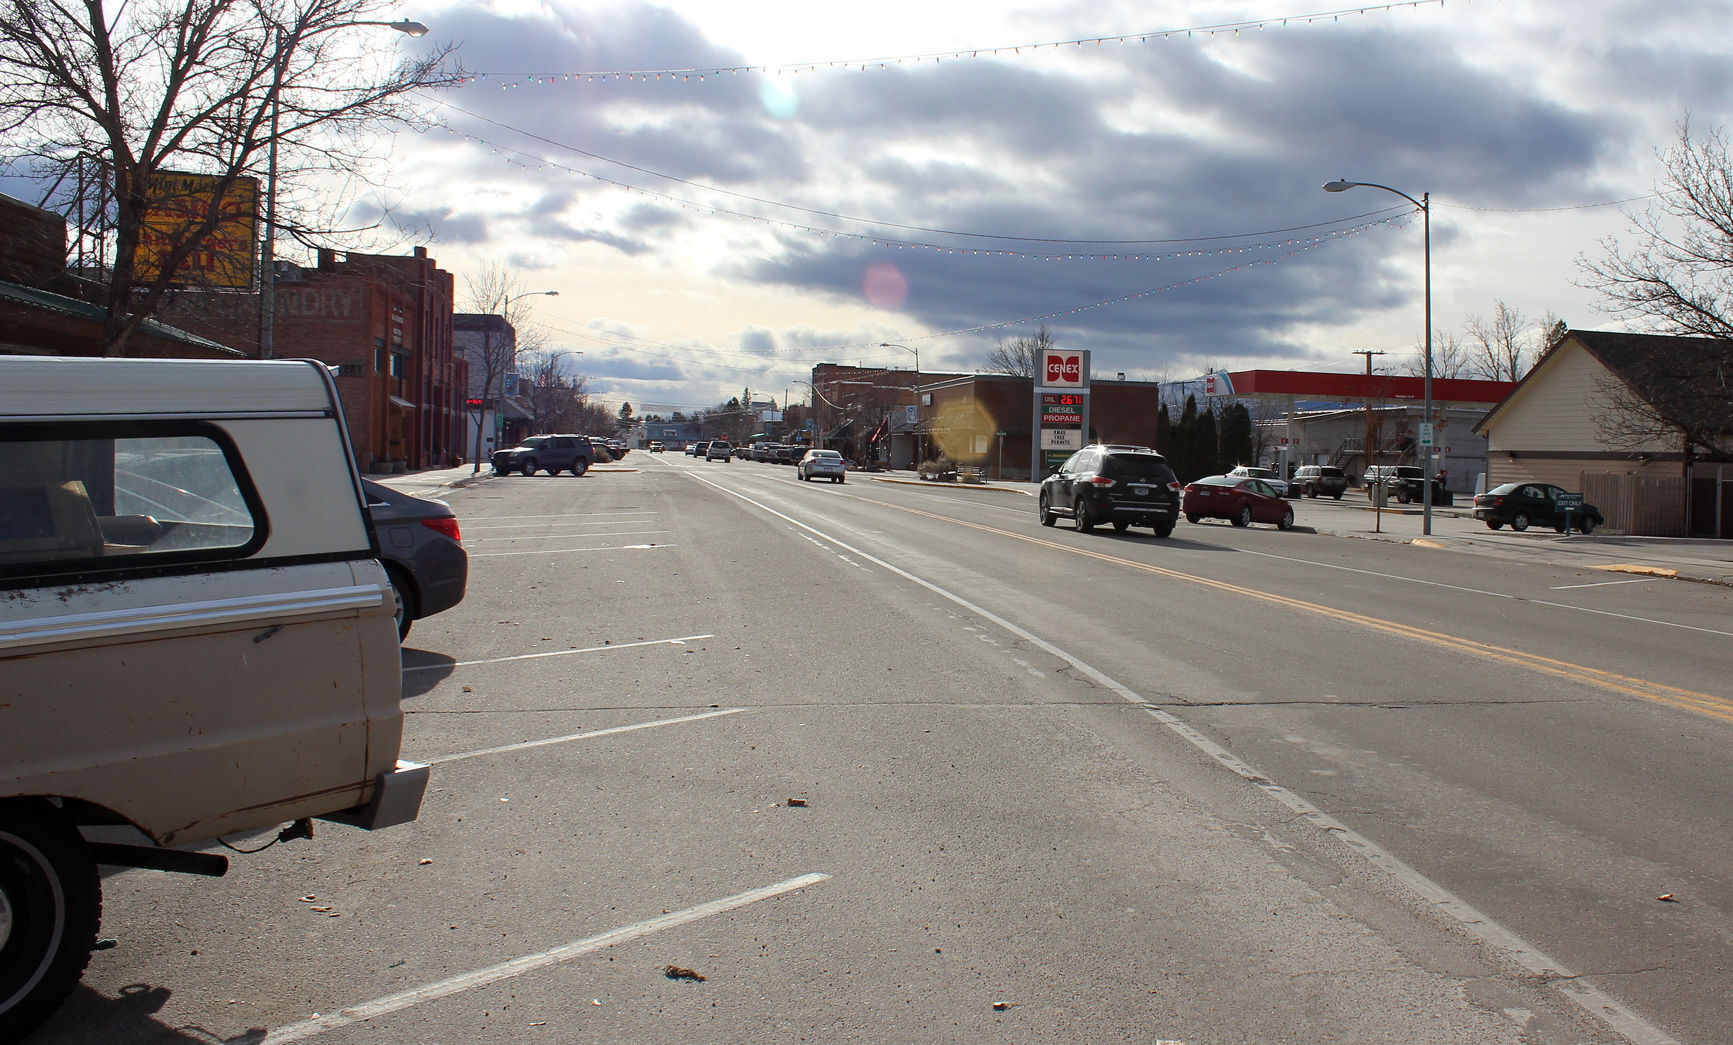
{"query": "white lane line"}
(469, 981)
(566, 551)
(1600, 584)
(591, 735)
(682, 640)
(1597, 1003)
(1482, 591)
(532, 520)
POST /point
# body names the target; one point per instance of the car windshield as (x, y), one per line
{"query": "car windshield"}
(1137, 466)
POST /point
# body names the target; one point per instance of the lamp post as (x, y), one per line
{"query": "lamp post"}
(1425, 205)
(267, 268)
(920, 437)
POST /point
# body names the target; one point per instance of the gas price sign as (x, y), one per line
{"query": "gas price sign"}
(1061, 408)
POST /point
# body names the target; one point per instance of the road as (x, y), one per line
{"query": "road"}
(892, 762)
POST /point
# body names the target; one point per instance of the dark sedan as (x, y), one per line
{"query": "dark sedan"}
(1520, 504)
(420, 546)
(1238, 499)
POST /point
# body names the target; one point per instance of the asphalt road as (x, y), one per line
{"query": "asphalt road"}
(892, 762)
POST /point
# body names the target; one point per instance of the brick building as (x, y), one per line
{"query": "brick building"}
(385, 323)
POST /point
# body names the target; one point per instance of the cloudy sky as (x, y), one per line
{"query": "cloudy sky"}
(725, 193)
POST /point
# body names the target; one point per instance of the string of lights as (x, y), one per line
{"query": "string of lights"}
(509, 80)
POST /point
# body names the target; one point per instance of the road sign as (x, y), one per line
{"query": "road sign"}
(1426, 435)
(1061, 438)
(1570, 502)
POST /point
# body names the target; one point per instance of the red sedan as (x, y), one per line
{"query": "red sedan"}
(1239, 499)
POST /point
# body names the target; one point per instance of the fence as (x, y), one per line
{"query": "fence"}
(1638, 505)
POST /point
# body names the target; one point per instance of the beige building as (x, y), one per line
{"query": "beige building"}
(1611, 414)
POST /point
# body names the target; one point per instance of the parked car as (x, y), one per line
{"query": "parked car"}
(1318, 480)
(1122, 485)
(1406, 483)
(822, 464)
(421, 547)
(1521, 504)
(656, 447)
(1268, 475)
(550, 453)
(1239, 499)
(786, 454)
(198, 643)
(719, 450)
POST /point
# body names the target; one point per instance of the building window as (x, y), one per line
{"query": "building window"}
(379, 355)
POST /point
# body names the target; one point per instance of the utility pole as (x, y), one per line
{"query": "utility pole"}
(1377, 502)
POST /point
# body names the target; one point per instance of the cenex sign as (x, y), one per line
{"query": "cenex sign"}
(1061, 409)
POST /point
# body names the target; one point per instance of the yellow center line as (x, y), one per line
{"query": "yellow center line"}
(1659, 693)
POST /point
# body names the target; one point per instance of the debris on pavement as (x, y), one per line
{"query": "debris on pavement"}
(675, 972)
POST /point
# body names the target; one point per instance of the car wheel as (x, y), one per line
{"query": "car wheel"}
(1080, 517)
(50, 905)
(1047, 516)
(528, 469)
(1164, 529)
(1312, 491)
(1287, 520)
(1338, 495)
(1586, 527)
(1192, 517)
(580, 466)
(1120, 526)
(1494, 524)
(837, 479)
(403, 600)
(1519, 521)
(1402, 497)
(1244, 518)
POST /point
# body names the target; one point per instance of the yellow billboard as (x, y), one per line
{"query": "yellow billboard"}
(177, 206)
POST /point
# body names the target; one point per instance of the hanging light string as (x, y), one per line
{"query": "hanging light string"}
(509, 80)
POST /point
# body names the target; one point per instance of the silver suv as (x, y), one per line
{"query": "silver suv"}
(1318, 480)
(718, 451)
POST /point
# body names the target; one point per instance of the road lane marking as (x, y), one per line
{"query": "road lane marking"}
(1597, 1003)
(563, 536)
(1655, 692)
(1598, 584)
(589, 735)
(469, 981)
(560, 653)
(567, 551)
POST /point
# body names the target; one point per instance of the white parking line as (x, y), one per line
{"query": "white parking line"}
(1624, 1020)
(469, 981)
(591, 735)
(563, 551)
(561, 536)
(681, 641)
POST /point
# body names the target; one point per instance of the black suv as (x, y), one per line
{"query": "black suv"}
(1109, 483)
(550, 453)
(1318, 480)
(1406, 483)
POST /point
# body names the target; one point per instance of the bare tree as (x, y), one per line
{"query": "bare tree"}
(496, 292)
(555, 395)
(1498, 349)
(1449, 357)
(158, 89)
(1021, 356)
(1678, 278)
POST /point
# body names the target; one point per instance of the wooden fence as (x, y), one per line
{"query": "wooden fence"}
(1638, 505)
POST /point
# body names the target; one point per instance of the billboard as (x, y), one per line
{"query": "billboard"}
(1063, 368)
(176, 205)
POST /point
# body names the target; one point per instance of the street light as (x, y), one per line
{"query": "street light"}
(267, 268)
(1425, 205)
(920, 437)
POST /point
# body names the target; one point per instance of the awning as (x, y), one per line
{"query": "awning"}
(404, 403)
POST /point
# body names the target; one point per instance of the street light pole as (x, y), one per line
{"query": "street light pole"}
(1425, 205)
(267, 259)
(920, 437)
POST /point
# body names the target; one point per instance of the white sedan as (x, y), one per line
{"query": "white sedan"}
(822, 464)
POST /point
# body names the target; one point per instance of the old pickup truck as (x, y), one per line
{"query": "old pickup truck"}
(196, 636)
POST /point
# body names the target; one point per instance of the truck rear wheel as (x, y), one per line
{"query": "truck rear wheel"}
(50, 904)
